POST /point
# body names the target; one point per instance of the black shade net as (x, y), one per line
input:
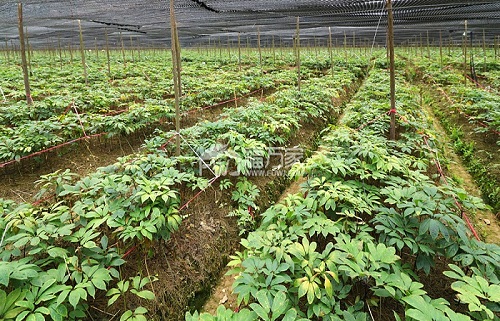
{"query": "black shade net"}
(200, 22)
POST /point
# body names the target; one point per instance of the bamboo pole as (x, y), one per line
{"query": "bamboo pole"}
(440, 48)
(260, 51)
(392, 70)
(330, 51)
(60, 51)
(123, 49)
(297, 39)
(176, 71)
(107, 52)
(428, 46)
(465, 53)
(29, 99)
(239, 51)
(82, 52)
(484, 50)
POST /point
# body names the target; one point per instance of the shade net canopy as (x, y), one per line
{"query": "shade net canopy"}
(203, 22)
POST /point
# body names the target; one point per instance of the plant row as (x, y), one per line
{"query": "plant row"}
(368, 227)
(203, 86)
(57, 257)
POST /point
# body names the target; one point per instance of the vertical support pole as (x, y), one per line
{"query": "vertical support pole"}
(465, 53)
(274, 51)
(297, 39)
(70, 54)
(107, 52)
(132, 49)
(496, 47)
(428, 46)
(95, 48)
(440, 48)
(392, 70)
(123, 49)
(239, 51)
(484, 50)
(60, 52)
(176, 70)
(260, 50)
(229, 48)
(330, 51)
(27, 89)
(82, 52)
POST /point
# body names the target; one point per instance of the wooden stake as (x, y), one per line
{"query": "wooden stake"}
(484, 50)
(27, 89)
(107, 52)
(440, 48)
(260, 51)
(428, 46)
(239, 51)
(297, 39)
(392, 70)
(123, 49)
(330, 44)
(176, 70)
(465, 53)
(60, 51)
(496, 47)
(82, 52)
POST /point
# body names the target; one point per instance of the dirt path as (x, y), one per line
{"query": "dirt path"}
(222, 293)
(484, 221)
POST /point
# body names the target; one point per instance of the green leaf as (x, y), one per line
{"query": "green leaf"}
(280, 303)
(126, 315)
(291, 315)
(261, 312)
(148, 295)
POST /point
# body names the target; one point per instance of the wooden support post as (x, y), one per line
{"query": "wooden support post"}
(484, 50)
(60, 52)
(464, 44)
(123, 49)
(330, 50)
(132, 49)
(239, 51)
(274, 51)
(297, 40)
(27, 89)
(440, 48)
(176, 76)
(428, 46)
(96, 48)
(82, 52)
(107, 52)
(392, 70)
(229, 48)
(496, 47)
(260, 51)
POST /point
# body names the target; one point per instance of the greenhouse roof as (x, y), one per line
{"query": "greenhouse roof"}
(201, 21)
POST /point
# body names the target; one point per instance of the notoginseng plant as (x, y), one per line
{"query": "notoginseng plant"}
(482, 295)
(134, 285)
(245, 195)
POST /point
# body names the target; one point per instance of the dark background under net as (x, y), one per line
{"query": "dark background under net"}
(203, 21)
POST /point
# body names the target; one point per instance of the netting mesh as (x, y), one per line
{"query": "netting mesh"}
(147, 22)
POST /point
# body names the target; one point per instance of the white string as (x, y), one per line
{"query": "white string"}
(201, 159)
(376, 31)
